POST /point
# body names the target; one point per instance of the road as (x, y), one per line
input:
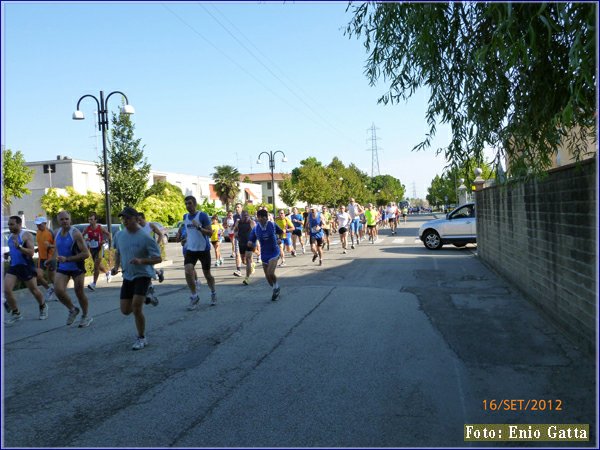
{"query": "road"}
(388, 345)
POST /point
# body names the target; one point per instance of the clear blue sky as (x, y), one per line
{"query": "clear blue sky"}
(211, 83)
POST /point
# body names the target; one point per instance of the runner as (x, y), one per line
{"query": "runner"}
(343, 221)
(298, 221)
(136, 252)
(95, 236)
(150, 228)
(215, 239)
(354, 209)
(371, 215)
(269, 236)
(391, 212)
(236, 247)
(404, 214)
(71, 253)
(327, 219)
(22, 268)
(242, 230)
(315, 226)
(46, 266)
(228, 223)
(198, 231)
(286, 243)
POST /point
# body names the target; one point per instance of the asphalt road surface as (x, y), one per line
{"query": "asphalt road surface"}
(390, 345)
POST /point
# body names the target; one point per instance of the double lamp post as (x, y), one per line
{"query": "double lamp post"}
(271, 156)
(103, 126)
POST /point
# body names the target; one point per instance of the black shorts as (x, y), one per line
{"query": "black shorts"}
(96, 253)
(370, 227)
(23, 272)
(316, 240)
(47, 264)
(137, 286)
(392, 219)
(72, 273)
(343, 230)
(244, 248)
(297, 232)
(192, 258)
(326, 231)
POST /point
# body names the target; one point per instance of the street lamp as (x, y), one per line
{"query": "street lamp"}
(271, 156)
(102, 112)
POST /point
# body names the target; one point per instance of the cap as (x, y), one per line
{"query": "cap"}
(40, 220)
(129, 212)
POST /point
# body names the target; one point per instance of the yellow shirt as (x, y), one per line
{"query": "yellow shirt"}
(217, 231)
(284, 223)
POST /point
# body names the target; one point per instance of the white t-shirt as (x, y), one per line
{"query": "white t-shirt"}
(343, 219)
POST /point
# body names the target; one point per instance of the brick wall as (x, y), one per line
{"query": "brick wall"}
(541, 236)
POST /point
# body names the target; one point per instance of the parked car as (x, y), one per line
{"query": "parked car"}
(6, 234)
(172, 231)
(459, 228)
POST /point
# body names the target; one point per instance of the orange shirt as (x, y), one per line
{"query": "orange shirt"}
(43, 239)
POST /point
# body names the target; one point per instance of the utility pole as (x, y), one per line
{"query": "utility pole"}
(414, 190)
(373, 150)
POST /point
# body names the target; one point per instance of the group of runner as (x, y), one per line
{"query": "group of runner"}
(267, 239)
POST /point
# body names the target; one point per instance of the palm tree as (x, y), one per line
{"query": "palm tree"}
(226, 184)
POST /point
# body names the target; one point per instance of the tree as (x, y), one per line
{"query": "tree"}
(79, 205)
(227, 184)
(518, 77)
(446, 185)
(128, 169)
(15, 176)
(287, 191)
(163, 202)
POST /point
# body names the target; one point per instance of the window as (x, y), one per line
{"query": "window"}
(270, 200)
(269, 185)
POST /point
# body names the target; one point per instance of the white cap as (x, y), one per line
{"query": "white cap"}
(40, 220)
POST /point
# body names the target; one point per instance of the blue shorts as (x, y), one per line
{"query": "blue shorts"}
(266, 257)
(23, 272)
(354, 225)
(287, 240)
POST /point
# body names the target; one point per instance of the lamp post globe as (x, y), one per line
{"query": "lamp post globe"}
(271, 155)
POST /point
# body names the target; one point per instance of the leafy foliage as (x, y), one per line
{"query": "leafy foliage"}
(15, 176)
(163, 202)
(517, 77)
(79, 205)
(227, 184)
(447, 184)
(128, 169)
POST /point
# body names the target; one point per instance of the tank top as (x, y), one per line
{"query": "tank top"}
(66, 246)
(94, 236)
(17, 258)
(196, 241)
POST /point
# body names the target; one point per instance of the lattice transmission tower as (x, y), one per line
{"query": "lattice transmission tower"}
(373, 150)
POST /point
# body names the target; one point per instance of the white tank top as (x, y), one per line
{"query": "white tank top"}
(195, 240)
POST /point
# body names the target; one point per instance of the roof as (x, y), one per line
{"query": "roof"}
(261, 177)
(250, 193)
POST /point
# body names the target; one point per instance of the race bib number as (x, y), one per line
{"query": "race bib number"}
(93, 244)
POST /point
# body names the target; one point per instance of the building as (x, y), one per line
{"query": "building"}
(264, 180)
(83, 177)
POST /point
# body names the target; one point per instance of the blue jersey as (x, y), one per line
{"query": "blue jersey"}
(18, 258)
(314, 225)
(267, 236)
(66, 246)
(297, 221)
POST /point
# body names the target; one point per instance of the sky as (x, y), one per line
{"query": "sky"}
(212, 83)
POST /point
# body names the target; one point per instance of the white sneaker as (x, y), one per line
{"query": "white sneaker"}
(49, 293)
(92, 286)
(108, 277)
(85, 321)
(139, 343)
(44, 311)
(194, 300)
